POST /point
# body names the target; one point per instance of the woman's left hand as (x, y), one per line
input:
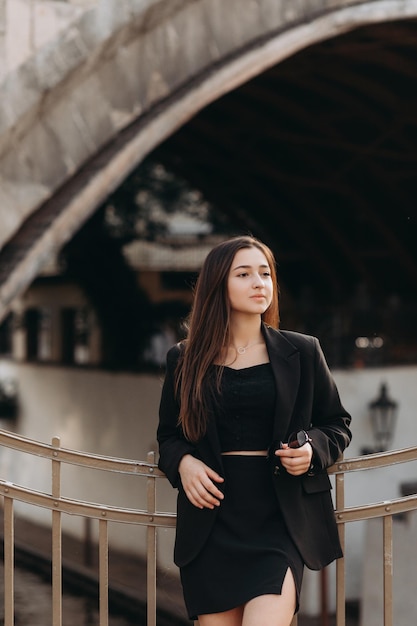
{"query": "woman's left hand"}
(296, 461)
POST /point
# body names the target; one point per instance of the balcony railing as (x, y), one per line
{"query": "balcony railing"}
(60, 505)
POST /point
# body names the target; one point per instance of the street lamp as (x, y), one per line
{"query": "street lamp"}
(383, 414)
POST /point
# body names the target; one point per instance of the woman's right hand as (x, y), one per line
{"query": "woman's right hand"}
(198, 481)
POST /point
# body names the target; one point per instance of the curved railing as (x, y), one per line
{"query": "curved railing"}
(385, 510)
(104, 513)
(152, 519)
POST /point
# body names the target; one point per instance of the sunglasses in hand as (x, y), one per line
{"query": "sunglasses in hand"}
(297, 439)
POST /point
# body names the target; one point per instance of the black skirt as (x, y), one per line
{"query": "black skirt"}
(249, 550)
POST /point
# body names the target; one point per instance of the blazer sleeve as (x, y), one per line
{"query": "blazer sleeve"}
(172, 443)
(330, 422)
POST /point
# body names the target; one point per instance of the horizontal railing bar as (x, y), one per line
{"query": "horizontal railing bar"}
(131, 466)
(150, 470)
(167, 520)
(74, 457)
(374, 461)
(86, 509)
(379, 509)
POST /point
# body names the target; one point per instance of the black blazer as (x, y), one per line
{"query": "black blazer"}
(307, 399)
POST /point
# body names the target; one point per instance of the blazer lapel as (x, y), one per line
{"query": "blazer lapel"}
(285, 361)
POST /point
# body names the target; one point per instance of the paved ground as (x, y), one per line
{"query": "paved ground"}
(127, 578)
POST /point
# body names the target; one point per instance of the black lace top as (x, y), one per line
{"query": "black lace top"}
(247, 403)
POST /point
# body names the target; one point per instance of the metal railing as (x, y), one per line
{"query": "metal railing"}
(152, 519)
(104, 513)
(386, 510)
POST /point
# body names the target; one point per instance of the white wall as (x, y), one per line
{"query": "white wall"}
(116, 414)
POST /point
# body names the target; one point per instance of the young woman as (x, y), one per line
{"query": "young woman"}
(252, 510)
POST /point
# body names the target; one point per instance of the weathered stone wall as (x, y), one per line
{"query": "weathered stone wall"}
(154, 61)
(27, 25)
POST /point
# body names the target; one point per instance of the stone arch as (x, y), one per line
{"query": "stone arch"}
(72, 170)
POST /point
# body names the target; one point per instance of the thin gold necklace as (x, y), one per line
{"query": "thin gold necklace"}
(242, 349)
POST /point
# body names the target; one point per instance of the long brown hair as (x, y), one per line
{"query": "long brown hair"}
(209, 332)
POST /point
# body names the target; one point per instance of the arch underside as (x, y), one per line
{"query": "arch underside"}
(316, 154)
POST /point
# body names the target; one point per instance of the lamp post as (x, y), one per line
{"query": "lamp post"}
(383, 414)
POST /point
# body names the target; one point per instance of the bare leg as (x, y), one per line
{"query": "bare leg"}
(226, 618)
(272, 610)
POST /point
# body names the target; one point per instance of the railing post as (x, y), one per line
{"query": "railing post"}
(387, 535)
(8, 561)
(340, 563)
(56, 539)
(324, 607)
(104, 571)
(151, 546)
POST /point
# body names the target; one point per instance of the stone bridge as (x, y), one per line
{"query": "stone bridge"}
(90, 87)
